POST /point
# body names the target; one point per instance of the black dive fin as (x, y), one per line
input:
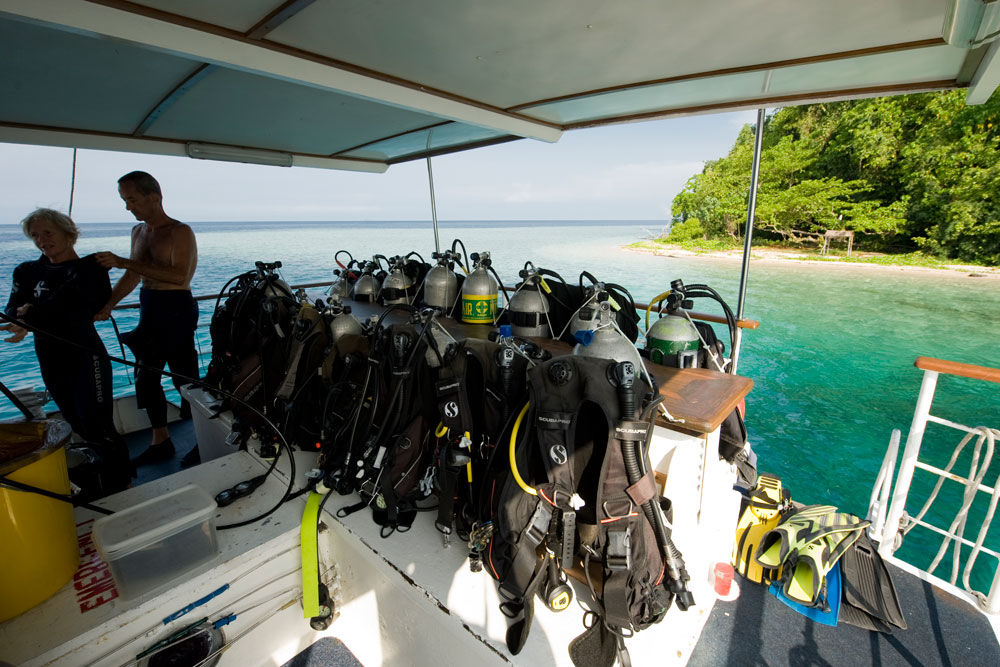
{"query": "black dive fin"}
(869, 596)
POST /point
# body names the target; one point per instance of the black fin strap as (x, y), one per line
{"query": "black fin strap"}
(350, 509)
(447, 478)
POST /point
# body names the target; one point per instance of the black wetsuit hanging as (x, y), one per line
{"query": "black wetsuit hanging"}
(64, 298)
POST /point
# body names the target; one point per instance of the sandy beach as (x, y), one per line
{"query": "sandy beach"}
(764, 256)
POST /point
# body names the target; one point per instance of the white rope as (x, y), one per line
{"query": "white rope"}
(708, 350)
(593, 297)
(957, 528)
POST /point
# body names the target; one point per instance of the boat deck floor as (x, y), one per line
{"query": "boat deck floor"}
(758, 629)
(181, 434)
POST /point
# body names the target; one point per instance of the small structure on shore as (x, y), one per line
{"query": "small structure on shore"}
(838, 234)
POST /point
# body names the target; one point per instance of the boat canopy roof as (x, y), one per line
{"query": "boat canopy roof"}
(356, 84)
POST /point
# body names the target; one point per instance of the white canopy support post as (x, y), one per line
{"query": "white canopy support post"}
(908, 463)
(72, 185)
(434, 215)
(748, 235)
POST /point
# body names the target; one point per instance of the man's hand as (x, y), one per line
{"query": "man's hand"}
(18, 331)
(23, 310)
(103, 314)
(109, 260)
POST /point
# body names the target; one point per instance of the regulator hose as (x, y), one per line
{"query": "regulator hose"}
(624, 373)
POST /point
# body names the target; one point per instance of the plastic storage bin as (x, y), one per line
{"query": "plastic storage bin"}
(150, 544)
(211, 427)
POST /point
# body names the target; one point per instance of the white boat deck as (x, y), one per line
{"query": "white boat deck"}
(401, 600)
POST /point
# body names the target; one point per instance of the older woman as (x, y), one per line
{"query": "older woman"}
(56, 296)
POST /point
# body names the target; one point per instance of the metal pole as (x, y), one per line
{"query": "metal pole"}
(748, 234)
(72, 186)
(434, 214)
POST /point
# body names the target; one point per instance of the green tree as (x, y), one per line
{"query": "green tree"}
(905, 172)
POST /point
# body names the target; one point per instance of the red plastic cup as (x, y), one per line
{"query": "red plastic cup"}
(723, 575)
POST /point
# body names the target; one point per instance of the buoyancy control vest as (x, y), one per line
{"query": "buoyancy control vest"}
(574, 491)
(478, 387)
(390, 452)
(250, 332)
(342, 373)
(301, 390)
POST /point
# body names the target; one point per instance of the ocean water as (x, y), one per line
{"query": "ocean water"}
(832, 361)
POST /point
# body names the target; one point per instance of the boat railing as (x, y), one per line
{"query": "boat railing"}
(129, 378)
(891, 522)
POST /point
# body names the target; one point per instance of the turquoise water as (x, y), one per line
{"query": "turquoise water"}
(832, 361)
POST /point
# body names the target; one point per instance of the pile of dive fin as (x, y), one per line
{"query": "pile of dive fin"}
(539, 464)
(815, 559)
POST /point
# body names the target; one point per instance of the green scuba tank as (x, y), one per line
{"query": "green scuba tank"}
(479, 292)
(673, 341)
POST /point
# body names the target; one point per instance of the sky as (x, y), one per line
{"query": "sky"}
(622, 172)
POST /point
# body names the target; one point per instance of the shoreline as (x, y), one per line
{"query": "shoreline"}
(776, 256)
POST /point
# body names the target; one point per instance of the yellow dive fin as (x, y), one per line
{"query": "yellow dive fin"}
(763, 513)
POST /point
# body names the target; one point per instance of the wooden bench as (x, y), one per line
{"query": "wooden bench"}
(838, 234)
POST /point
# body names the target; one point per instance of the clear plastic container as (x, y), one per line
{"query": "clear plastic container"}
(150, 544)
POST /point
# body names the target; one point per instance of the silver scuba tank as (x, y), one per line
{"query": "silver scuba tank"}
(441, 283)
(587, 318)
(673, 341)
(396, 286)
(479, 292)
(605, 341)
(529, 308)
(341, 287)
(367, 287)
(343, 321)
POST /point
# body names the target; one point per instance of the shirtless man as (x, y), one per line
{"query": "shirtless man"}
(164, 256)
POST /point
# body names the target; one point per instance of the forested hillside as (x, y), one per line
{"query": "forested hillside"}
(908, 172)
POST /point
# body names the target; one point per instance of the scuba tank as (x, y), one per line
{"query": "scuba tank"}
(600, 338)
(673, 340)
(479, 292)
(441, 283)
(341, 287)
(274, 285)
(343, 321)
(396, 286)
(343, 277)
(529, 309)
(587, 317)
(368, 286)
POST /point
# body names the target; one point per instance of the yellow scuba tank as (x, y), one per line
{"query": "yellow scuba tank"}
(479, 292)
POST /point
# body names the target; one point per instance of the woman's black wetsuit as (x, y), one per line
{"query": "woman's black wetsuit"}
(64, 298)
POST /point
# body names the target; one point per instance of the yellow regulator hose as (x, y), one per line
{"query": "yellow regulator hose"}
(513, 458)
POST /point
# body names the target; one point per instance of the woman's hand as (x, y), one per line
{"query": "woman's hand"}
(19, 332)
